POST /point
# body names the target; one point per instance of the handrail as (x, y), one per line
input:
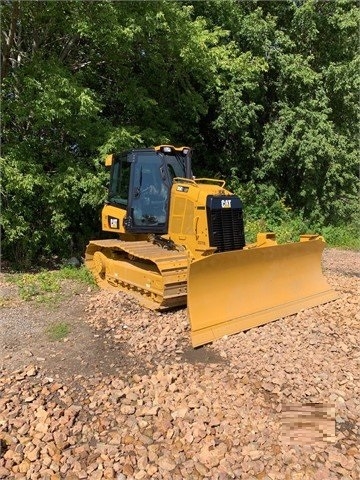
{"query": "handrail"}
(195, 181)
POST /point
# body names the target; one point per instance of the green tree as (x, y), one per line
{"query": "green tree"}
(50, 132)
(309, 152)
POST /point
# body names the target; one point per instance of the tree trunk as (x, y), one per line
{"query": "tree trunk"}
(5, 58)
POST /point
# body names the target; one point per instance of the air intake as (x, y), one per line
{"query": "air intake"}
(225, 222)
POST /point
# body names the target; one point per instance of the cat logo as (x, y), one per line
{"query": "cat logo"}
(225, 203)
(113, 222)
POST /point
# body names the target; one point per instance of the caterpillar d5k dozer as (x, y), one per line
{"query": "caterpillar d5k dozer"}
(181, 240)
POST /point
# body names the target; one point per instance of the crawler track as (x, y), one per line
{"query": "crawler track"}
(158, 277)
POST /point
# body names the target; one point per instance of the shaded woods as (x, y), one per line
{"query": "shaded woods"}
(265, 92)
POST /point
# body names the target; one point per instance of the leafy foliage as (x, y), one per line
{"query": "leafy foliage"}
(266, 93)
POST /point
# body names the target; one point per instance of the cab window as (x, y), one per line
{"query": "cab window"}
(119, 181)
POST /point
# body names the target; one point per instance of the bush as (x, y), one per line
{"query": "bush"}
(346, 236)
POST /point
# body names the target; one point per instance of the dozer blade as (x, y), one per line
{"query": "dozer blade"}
(234, 291)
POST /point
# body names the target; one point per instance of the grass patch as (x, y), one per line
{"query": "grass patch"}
(45, 286)
(6, 301)
(35, 285)
(81, 274)
(58, 331)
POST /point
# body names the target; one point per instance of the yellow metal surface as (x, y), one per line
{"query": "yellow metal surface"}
(188, 225)
(235, 291)
(109, 160)
(158, 148)
(112, 212)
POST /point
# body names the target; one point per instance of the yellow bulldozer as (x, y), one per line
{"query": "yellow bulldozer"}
(180, 240)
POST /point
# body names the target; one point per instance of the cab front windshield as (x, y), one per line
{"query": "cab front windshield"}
(151, 190)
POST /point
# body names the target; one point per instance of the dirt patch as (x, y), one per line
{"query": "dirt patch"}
(204, 355)
(24, 330)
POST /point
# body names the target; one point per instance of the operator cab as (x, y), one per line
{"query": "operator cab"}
(140, 183)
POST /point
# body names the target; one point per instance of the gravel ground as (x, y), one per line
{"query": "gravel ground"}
(278, 402)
